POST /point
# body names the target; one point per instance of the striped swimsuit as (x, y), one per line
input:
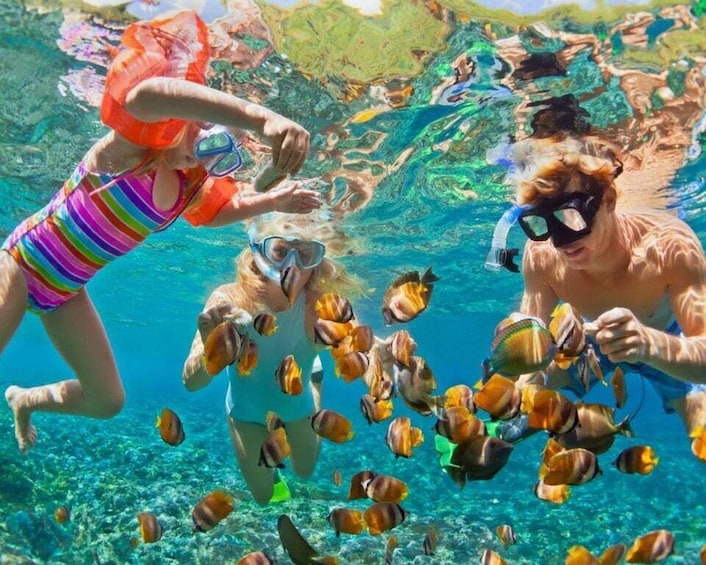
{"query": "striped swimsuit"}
(82, 229)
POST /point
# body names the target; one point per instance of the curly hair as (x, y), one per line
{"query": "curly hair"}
(547, 167)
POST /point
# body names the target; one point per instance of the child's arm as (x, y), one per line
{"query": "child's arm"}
(160, 98)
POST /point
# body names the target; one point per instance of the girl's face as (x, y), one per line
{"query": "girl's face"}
(181, 155)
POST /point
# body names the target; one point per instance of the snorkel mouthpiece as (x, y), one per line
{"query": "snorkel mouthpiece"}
(500, 256)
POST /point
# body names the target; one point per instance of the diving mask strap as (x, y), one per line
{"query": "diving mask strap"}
(500, 256)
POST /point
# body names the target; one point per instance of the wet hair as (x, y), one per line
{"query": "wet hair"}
(549, 167)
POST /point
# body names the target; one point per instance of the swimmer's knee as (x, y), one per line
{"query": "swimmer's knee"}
(110, 406)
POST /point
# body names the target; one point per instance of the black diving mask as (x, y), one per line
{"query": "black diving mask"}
(565, 218)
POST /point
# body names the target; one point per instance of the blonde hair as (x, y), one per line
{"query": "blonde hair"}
(329, 276)
(545, 168)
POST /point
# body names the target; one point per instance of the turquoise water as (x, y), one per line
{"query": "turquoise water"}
(433, 198)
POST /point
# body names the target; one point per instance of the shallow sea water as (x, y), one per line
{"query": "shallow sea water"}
(407, 148)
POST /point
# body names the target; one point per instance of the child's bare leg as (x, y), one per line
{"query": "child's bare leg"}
(692, 410)
(13, 297)
(77, 332)
(247, 439)
(305, 444)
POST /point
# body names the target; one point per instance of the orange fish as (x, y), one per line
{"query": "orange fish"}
(222, 347)
(332, 426)
(356, 489)
(275, 449)
(499, 397)
(62, 514)
(572, 467)
(478, 458)
(247, 360)
(415, 385)
(698, 442)
(383, 488)
(402, 347)
(431, 540)
(361, 338)
(551, 448)
(522, 346)
(346, 520)
(596, 430)
(151, 529)
(579, 555)
(334, 307)
(337, 478)
(273, 421)
(457, 423)
(619, 387)
(170, 427)
(375, 411)
(551, 411)
(651, 547)
(557, 494)
(211, 509)
(292, 282)
(328, 332)
(379, 382)
(265, 324)
(613, 555)
(390, 547)
(402, 437)
(506, 534)
(351, 366)
(289, 376)
(489, 557)
(460, 395)
(383, 516)
(639, 459)
(407, 296)
(702, 555)
(256, 558)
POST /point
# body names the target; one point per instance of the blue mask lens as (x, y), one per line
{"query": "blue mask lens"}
(281, 251)
(218, 151)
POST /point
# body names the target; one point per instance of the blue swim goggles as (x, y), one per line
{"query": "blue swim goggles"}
(281, 252)
(218, 151)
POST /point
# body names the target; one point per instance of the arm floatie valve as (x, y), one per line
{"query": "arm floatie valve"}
(499, 255)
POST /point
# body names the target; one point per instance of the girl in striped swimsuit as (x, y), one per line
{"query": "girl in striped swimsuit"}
(123, 190)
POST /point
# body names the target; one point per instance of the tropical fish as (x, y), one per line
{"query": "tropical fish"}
(247, 360)
(332, 426)
(613, 555)
(557, 494)
(639, 459)
(401, 346)
(499, 397)
(522, 346)
(222, 347)
(415, 384)
(291, 281)
(572, 467)
(457, 423)
(489, 557)
(289, 376)
(506, 534)
(478, 458)
(390, 547)
(334, 307)
(151, 528)
(460, 395)
(275, 449)
(210, 510)
(431, 540)
(698, 442)
(384, 488)
(702, 555)
(361, 338)
(379, 382)
(407, 296)
(62, 514)
(265, 324)
(551, 411)
(351, 366)
(651, 547)
(255, 558)
(298, 549)
(273, 421)
(356, 489)
(346, 520)
(551, 448)
(337, 478)
(620, 389)
(402, 437)
(331, 333)
(579, 555)
(383, 516)
(596, 430)
(170, 427)
(375, 410)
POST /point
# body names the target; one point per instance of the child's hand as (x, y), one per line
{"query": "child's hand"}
(221, 312)
(291, 197)
(289, 141)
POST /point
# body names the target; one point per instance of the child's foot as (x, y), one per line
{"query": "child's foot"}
(25, 432)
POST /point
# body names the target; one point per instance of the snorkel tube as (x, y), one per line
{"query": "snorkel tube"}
(500, 256)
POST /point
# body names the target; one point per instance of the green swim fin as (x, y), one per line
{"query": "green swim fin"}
(280, 491)
(445, 449)
(492, 428)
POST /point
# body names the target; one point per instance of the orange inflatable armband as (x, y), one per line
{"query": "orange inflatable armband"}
(174, 47)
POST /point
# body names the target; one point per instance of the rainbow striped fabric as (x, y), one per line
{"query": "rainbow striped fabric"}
(91, 221)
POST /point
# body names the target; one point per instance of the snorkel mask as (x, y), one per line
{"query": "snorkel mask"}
(274, 254)
(218, 151)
